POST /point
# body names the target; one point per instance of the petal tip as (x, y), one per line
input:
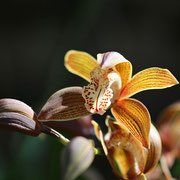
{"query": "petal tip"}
(80, 63)
(67, 56)
(170, 78)
(174, 81)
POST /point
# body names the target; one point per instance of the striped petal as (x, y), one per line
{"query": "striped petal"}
(13, 105)
(18, 122)
(152, 78)
(135, 116)
(125, 153)
(99, 135)
(65, 104)
(125, 71)
(18, 116)
(154, 152)
(80, 63)
(121, 161)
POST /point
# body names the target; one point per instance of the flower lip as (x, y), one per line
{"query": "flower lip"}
(104, 87)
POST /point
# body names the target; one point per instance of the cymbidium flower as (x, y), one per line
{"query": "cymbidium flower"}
(127, 156)
(110, 85)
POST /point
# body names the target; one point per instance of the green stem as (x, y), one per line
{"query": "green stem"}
(98, 151)
(48, 130)
(63, 140)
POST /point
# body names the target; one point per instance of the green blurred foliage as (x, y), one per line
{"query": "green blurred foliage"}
(175, 170)
(36, 158)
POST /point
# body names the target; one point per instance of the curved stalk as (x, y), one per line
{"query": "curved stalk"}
(50, 131)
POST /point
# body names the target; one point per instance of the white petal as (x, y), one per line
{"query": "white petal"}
(110, 59)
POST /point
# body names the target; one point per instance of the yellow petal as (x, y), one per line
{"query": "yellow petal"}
(125, 71)
(135, 116)
(99, 135)
(121, 161)
(125, 153)
(80, 63)
(152, 78)
(65, 104)
(154, 152)
(112, 124)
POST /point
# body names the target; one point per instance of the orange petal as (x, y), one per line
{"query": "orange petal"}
(125, 153)
(152, 78)
(99, 135)
(135, 116)
(154, 152)
(80, 63)
(65, 104)
(121, 161)
(125, 71)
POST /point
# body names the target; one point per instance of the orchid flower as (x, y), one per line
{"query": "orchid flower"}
(127, 156)
(110, 86)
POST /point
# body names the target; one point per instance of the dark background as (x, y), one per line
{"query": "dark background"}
(34, 37)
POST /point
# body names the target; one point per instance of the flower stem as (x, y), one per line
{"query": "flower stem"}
(98, 151)
(48, 130)
(63, 140)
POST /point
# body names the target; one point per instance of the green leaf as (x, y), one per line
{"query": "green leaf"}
(76, 157)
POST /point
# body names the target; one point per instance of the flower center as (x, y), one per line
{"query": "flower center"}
(103, 89)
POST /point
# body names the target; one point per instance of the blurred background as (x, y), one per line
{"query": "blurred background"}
(34, 37)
